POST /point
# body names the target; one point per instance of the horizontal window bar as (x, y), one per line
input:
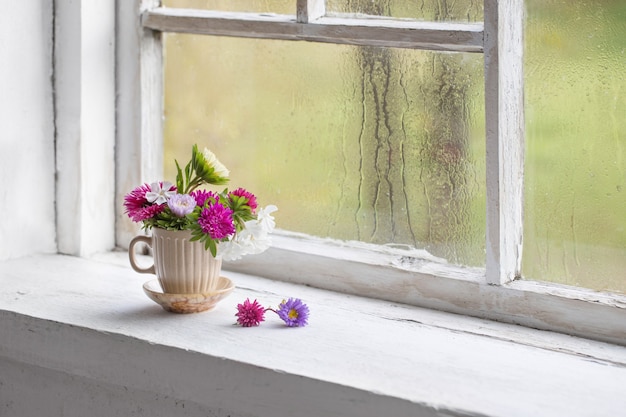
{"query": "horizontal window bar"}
(352, 30)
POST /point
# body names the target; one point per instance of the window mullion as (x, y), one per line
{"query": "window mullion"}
(139, 150)
(505, 138)
(85, 125)
(310, 10)
(372, 31)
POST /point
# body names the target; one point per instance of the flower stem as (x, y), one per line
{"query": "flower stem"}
(192, 185)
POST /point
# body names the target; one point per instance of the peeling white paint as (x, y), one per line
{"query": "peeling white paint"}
(26, 129)
(358, 357)
(85, 119)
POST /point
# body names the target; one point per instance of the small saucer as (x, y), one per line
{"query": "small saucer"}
(188, 303)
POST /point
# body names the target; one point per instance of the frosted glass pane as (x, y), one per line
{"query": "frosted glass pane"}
(430, 10)
(575, 230)
(252, 6)
(369, 144)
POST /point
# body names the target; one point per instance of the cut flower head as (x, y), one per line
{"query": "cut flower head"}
(294, 312)
(250, 314)
(230, 224)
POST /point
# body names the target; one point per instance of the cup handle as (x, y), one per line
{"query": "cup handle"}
(132, 255)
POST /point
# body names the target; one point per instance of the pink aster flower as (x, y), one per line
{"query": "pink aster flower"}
(181, 204)
(148, 212)
(250, 314)
(240, 192)
(137, 205)
(136, 200)
(293, 312)
(202, 196)
(217, 221)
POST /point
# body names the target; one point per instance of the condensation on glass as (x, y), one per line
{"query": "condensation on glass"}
(575, 211)
(247, 6)
(429, 10)
(370, 144)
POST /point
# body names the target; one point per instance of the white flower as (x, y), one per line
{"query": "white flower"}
(254, 238)
(265, 219)
(220, 169)
(232, 250)
(159, 194)
(244, 243)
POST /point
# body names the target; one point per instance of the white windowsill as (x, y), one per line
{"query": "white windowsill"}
(358, 357)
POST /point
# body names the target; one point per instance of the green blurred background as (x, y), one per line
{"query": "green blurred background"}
(386, 146)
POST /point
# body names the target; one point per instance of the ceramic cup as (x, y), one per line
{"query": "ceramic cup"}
(181, 266)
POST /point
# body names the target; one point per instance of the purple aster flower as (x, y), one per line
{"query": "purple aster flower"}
(250, 314)
(293, 312)
(217, 221)
(138, 207)
(181, 204)
(202, 196)
(240, 192)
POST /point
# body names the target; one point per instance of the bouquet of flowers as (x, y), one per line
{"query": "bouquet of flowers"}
(229, 223)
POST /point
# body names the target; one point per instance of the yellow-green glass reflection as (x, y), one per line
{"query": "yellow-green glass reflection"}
(371, 144)
(575, 212)
(251, 6)
(429, 10)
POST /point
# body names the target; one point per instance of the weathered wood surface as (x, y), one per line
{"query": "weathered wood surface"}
(84, 82)
(310, 10)
(417, 278)
(504, 110)
(27, 148)
(362, 31)
(358, 357)
(139, 116)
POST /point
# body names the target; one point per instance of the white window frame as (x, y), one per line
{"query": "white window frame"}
(494, 292)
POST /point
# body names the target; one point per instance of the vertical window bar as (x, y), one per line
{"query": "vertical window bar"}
(503, 46)
(310, 10)
(139, 71)
(85, 129)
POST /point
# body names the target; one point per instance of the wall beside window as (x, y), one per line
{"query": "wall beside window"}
(27, 193)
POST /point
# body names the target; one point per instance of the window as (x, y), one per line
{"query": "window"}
(575, 222)
(383, 146)
(481, 276)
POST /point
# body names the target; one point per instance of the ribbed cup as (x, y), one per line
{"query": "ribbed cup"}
(182, 266)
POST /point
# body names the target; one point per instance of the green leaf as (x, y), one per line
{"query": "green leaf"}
(180, 182)
(212, 246)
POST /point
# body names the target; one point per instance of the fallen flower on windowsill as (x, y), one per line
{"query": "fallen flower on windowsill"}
(250, 314)
(293, 312)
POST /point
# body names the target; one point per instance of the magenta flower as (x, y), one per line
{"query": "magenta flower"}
(202, 196)
(293, 312)
(181, 204)
(217, 221)
(149, 212)
(240, 192)
(138, 207)
(250, 314)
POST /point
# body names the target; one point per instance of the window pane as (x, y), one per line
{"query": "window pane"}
(430, 10)
(575, 230)
(252, 6)
(355, 143)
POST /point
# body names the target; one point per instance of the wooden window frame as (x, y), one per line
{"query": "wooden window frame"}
(493, 292)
